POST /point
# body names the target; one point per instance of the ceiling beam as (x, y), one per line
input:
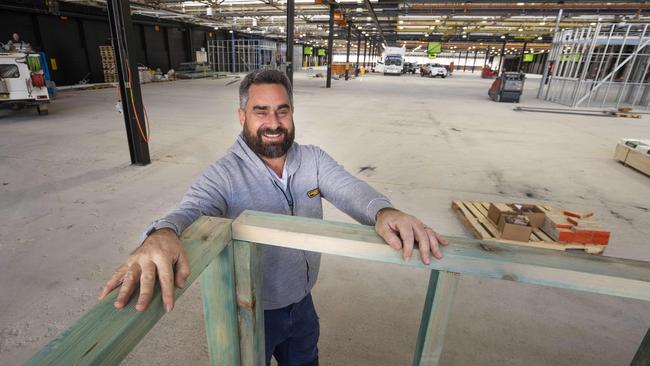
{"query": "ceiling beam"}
(374, 18)
(469, 6)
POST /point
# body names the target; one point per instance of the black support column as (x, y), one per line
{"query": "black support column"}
(347, 52)
(119, 19)
(358, 48)
(503, 48)
(330, 44)
(289, 30)
(521, 57)
(190, 44)
(365, 47)
(474, 62)
(466, 55)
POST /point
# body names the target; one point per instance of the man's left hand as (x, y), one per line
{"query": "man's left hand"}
(401, 230)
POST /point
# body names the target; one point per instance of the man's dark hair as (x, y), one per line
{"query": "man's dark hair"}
(265, 76)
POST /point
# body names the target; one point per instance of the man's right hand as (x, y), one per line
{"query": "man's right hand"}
(161, 254)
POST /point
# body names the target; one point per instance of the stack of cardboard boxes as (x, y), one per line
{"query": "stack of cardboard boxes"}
(517, 222)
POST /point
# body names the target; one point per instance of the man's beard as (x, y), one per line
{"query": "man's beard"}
(269, 150)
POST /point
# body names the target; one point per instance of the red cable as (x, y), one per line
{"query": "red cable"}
(145, 137)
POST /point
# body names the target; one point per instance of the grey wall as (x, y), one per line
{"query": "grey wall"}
(73, 39)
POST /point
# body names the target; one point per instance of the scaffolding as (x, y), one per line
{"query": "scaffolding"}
(604, 65)
(244, 55)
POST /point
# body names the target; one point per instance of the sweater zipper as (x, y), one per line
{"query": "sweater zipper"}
(289, 199)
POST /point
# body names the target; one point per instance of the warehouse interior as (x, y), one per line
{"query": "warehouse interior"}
(81, 181)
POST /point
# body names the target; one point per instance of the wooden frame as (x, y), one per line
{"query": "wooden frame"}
(224, 253)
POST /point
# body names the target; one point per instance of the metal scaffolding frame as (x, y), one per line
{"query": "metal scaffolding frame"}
(245, 55)
(605, 65)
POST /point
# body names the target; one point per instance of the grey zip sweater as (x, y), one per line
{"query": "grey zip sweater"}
(241, 180)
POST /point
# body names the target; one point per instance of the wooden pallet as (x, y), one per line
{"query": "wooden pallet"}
(474, 216)
(625, 112)
(624, 115)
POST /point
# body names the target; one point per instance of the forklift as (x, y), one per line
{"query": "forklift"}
(507, 87)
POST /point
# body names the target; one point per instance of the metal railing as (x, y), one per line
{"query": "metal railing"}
(225, 254)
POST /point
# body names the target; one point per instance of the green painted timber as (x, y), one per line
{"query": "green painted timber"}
(220, 309)
(248, 282)
(105, 335)
(435, 316)
(642, 357)
(576, 271)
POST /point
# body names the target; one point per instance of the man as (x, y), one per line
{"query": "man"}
(266, 171)
(15, 43)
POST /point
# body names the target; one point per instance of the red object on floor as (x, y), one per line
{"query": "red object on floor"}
(488, 73)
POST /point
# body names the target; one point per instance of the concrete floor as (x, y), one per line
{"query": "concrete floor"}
(72, 208)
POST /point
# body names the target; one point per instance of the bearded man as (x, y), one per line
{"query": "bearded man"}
(265, 170)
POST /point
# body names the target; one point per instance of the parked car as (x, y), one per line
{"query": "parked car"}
(408, 68)
(438, 70)
(433, 70)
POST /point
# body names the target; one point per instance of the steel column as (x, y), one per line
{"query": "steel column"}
(347, 52)
(521, 57)
(503, 48)
(548, 63)
(330, 44)
(358, 48)
(474, 62)
(190, 44)
(119, 19)
(465, 64)
(365, 46)
(289, 30)
(232, 51)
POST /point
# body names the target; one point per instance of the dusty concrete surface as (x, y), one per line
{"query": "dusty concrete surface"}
(72, 208)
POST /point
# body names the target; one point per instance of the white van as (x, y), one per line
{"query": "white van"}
(393, 65)
(22, 82)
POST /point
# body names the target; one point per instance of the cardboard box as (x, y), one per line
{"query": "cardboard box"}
(496, 210)
(535, 214)
(512, 231)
